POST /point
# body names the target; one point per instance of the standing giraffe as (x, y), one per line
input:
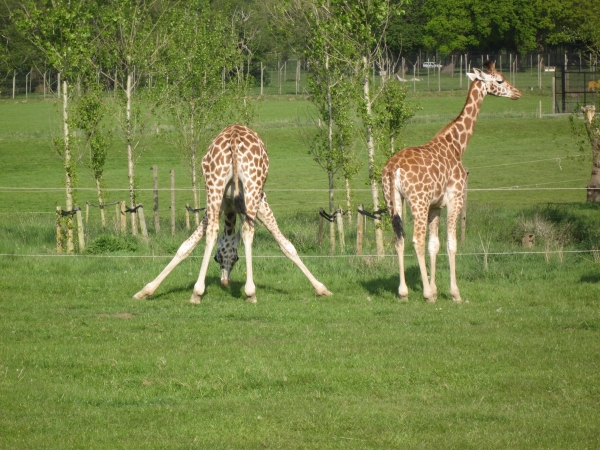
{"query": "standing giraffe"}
(432, 176)
(236, 156)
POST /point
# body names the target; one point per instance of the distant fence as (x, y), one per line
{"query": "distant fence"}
(424, 70)
(575, 88)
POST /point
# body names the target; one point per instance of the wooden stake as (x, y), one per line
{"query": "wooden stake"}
(59, 246)
(360, 228)
(156, 214)
(123, 216)
(80, 233)
(117, 215)
(87, 213)
(340, 226)
(187, 216)
(142, 220)
(320, 234)
(172, 202)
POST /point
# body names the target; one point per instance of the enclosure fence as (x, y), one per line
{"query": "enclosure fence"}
(421, 71)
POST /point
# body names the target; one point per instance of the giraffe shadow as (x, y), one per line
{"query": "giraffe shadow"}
(377, 286)
(184, 289)
(590, 278)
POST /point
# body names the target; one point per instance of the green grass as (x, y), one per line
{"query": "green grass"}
(82, 365)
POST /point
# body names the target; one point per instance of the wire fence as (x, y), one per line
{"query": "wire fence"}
(421, 71)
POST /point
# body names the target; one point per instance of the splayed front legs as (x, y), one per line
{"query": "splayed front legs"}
(183, 252)
(265, 215)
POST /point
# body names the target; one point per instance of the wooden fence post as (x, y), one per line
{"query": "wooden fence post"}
(360, 229)
(80, 233)
(87, 212)
(142, 220)
(320, 233)
(187, 216)
(59, 246)
(463, 214)
(123, 216)
(117, 215)
(172, 202)
(340, 226)
(156, 214)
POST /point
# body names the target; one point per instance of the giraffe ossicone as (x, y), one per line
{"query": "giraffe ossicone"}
(431, 176)
(235, 169)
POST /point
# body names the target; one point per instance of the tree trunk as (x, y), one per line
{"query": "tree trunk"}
(130, 156)
(101, 203)
(348, 200)
(371, 155)
(591, 126)
(195, 188)
(193, 163)
(68, 164)
(330, 145)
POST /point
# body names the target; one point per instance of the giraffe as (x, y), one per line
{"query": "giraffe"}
(431, 176)
(235, 169)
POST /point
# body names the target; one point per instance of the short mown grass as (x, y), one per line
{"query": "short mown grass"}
(83, 365)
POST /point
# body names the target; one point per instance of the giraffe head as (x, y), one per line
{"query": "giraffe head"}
(226, 255)
(494, 82)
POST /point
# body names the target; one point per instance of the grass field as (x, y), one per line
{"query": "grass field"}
(82, 365)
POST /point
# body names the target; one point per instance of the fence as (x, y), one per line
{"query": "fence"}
(575, 88)
(420, 71)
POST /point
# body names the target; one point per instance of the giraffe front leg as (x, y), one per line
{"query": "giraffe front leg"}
(453, 213)
(183, 252)
(211, 238)
(248, 237)
(265, 215)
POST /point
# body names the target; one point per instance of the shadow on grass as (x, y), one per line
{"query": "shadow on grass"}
(390, 284)
(590, 278)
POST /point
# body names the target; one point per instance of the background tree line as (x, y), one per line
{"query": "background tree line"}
(446, 26)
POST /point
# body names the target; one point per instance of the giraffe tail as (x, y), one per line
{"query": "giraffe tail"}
(238, 197)
(394, 214)
(397, 225)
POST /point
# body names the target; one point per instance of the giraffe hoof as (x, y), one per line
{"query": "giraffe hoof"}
(323, 291)
(457, 299)
(196, 299)
(141, 295)
(251, 299)
(403, 299)
(432, 299)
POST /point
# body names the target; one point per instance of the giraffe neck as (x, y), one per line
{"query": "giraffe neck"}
(463, 126)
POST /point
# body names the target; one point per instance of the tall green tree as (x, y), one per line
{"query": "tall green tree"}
(207, 86)
(132, 40)
(365, 25)
(90, 114)
(62, 31)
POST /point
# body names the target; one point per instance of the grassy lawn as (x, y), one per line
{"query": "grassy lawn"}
(82, 365)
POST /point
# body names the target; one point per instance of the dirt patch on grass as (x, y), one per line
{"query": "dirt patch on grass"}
(118, 315)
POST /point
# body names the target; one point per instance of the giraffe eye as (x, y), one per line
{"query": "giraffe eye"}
(499, 81)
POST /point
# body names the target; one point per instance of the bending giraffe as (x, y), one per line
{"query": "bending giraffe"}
(431, 176)
(235, 169)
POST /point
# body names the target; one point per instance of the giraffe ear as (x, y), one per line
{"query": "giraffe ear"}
(479, 75)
